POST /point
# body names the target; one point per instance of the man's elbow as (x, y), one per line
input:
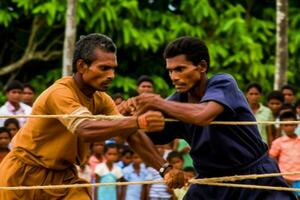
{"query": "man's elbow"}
(82, 131)
(203, 121)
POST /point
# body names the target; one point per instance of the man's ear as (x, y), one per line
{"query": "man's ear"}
(81, 65)
(203, 66)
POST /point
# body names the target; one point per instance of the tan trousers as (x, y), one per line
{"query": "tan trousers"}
(14, 172)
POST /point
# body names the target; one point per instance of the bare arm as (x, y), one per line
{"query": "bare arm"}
(198, 114)
(142, 145)
(92, 131)
(100, 130)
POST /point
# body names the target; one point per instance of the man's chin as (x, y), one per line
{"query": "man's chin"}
(102, 89)
(181, 90)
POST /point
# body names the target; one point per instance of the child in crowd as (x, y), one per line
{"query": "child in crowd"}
(189, 173)
(13, 105)
(297, 108)
(275, 101)
(286, 150)
(176, 160)
(157, 191)
(126, 157)
(96, 155)
(136, 171)
(5, 138)
(108, 171)
(118, 98)
(12, 125)
(184, 148)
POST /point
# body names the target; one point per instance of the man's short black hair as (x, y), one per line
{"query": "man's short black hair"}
(117, 96)
(84, 48)
(193, 48)
(276, 94)
(12, 121)
(190, 169)
(254, 85)
(289, 87)
(144, 78)
(5, 130)
(110, 146)
(174, 154)
(28, 85)
(287, 115)
(14, 84)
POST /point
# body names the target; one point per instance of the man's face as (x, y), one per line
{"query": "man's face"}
(275, 105)
(253, 96)
(28, 95)
(112, 155)
(183, 73)
(145, 87)
(14, 95)
(4, 140)
(289, 96)
(289, 129)
(101, 72)
(177, 163)
(136, 159)
(98, 147)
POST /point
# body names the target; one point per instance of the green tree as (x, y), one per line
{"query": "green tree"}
(240, 36)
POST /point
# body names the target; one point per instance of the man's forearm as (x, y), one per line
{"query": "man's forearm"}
(198, 114)
(92, 131)
(142, 145)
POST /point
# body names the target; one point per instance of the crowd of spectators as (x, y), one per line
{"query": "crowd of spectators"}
(113, 160)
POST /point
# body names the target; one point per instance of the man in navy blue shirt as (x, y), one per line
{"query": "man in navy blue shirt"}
(217, 150)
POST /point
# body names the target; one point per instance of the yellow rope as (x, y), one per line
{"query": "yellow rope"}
(205, 181)
(117, 117)
(243, 177)
(259, 187)
(217, 181)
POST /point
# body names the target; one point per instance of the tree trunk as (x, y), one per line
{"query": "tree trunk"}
(281, 43)
(70, 36)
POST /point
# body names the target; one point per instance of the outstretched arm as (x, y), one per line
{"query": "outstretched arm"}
(143, 146)
(99, 130)
(198, 114)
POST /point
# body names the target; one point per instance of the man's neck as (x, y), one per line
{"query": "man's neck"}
(136, 166)
(15, 105)
(109, 165)
(294, 135)
(254, 107)
(197, 92)
(88, 91)
(98, 156)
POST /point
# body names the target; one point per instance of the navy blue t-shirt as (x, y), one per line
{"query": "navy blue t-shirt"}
(218, 149)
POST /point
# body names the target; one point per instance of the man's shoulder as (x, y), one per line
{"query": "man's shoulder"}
(4, 107)
(221, 77)
(26, 107)
(281, 139)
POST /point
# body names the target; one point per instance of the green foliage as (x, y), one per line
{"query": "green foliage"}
(240, 37)
(40, 82)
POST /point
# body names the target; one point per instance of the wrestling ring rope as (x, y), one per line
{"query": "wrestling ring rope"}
(216, 181)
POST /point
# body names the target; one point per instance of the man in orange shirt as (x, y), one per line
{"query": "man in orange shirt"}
(45, 150)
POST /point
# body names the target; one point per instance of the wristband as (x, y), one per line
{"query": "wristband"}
(164, 168)
(142, 122)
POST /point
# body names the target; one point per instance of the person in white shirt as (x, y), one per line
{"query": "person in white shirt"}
(13, 105)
